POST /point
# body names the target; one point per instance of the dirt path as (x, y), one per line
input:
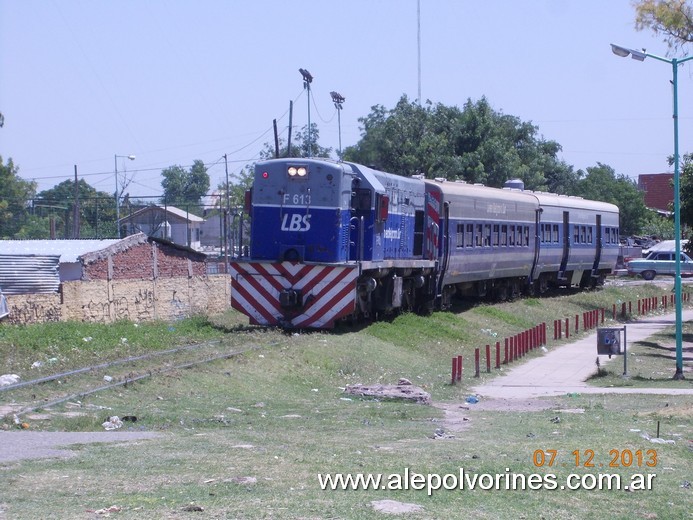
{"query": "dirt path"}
(17, 445)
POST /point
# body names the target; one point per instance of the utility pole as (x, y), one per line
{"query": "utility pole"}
(226, 213)
(75, 220)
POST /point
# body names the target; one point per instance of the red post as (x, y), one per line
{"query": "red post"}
(454, 371)
(613, 312)
(577, 322)
(476, 362)
(567, 328)
(603, 314)
(497, 354)
(459, 368)
(623, 310)
(488, 359)
(639, 308)
(543, 333)
(505, 357)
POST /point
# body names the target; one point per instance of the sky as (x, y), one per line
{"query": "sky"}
(84, 84)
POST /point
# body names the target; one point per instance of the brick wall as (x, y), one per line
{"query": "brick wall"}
(144, 260)
(138, 279)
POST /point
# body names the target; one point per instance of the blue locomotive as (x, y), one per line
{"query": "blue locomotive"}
(332, 241)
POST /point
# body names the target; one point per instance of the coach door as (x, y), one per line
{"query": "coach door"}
(566, 246)
(598, 247)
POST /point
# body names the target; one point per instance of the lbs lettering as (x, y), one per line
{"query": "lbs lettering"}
(295, 222)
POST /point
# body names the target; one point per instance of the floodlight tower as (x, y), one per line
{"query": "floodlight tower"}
(307, 80)
(338, 101)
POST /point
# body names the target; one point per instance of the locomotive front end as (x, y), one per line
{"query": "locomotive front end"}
(297, 273)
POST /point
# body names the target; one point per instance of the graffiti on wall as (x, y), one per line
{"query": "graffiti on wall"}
(34, 312)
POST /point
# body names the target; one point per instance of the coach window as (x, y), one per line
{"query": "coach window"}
(518, 239)
(504, 235)
(496, 233)
(526, 236)
(576, 234)
(556, 240)
(479, 235)
(589, 235)
(460, 235)
(487, 235)
(583, 235)
(469, 238)
(511, 236)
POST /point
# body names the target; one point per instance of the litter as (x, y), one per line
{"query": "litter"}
(113, 423)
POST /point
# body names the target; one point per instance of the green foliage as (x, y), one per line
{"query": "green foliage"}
(15, 194)
(658, 226)
(670, 19)
(475, 144)
(244, 181)
(300, 147)
(183, 186)
(601, 183)
(96, 211)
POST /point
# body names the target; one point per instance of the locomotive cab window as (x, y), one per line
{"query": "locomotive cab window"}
(361, 199)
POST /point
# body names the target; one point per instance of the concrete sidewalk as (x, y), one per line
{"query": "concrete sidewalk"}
(565, 368)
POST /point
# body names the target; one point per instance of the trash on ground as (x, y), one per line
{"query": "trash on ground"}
(9, 379)
(113, 423)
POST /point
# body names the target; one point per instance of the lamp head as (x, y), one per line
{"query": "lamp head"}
(619, 51)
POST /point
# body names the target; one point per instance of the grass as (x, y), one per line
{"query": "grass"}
(277, 414)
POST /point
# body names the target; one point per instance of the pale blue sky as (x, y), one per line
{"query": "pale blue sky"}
(174, 81)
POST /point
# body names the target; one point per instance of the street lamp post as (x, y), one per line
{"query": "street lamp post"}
(117, 195)
(623, 52)
(338, 101)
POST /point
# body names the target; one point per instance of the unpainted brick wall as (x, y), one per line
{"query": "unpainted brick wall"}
(146, 260)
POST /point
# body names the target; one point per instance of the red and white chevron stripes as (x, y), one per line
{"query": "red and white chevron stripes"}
(328, 293)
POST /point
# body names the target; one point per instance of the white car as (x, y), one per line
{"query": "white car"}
(659, 262)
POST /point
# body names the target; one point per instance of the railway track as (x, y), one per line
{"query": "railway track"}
(73, 385)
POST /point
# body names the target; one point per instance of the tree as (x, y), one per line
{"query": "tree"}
(475, 144)
(96, 209)
(299, 146)
(15, 194)
(185, 187)
(601, 183)
(237, 190)
(670, 19)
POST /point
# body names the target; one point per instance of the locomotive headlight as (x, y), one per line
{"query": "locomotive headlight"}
(297, 171)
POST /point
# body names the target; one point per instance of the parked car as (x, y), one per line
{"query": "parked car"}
(659, 262)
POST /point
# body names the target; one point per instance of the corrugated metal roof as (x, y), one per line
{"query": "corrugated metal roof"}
(181, 213)
(67, 250)
(29, 274)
